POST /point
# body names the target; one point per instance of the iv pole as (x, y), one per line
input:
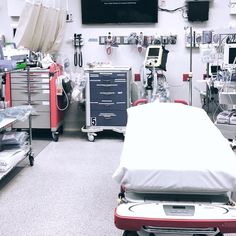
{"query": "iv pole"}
(191, 68)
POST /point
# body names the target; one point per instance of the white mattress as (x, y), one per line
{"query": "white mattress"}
(171, 147)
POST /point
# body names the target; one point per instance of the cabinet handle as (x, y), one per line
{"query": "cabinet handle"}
(107, 93)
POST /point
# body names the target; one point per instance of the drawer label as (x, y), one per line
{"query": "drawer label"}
(107, 85)
(93, 121)
(44, 75)
(45, 103)
(45, 91)
(94, 75)
(107, 115)
(107, 93)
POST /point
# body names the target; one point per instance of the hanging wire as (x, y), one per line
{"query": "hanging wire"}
(182, 9)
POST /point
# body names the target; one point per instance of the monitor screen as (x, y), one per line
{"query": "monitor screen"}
(198, 10)
(232, 55)
(215, 68)
(119, 11)
(153, 52)
(229, 53)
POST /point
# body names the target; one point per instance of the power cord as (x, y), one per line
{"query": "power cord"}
(183, 9)
(67, 101)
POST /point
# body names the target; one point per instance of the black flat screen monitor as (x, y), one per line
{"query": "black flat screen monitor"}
(232, 55)
(119, 11)
(198, 10)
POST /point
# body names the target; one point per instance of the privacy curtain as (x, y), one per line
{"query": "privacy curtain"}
(41, 25)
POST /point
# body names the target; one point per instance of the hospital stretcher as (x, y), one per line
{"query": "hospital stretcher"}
(177, 174)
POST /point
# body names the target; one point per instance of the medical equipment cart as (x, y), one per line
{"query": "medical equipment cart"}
(225, 120)
(43, 93)
(107, 98)
(10, 158)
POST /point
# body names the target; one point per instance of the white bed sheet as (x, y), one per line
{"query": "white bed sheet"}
(171, 147)
(10, 158)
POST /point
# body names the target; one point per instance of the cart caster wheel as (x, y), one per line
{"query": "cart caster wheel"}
(91, 137)
(55, 136)
(130, 233)
(31, 160)
(61, 129)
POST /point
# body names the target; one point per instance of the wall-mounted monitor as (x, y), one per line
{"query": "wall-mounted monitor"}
(230, 54)
(119, 11)
(198, 10)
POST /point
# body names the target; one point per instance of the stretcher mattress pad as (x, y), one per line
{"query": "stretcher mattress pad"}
(172, 147)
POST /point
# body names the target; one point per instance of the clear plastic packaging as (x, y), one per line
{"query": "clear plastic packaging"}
(21, 113)
(13, 140)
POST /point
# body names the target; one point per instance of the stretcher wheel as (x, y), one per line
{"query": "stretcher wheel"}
(130, 233)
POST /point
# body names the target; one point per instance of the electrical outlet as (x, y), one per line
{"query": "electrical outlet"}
(102, 40)
(69, 17)
(118, 39)
(232, 7)
(185, 77)
(126, 40)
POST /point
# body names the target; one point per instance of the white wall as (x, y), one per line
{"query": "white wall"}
(178, 59)
(5, 21)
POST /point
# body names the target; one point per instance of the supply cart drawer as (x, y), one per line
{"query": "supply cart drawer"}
(108, 105)
(38, 105)
(107, 75)
(23, 74)
(24, 86)
(106, 118)
(17, 80)
(35, 95)
(107, 90)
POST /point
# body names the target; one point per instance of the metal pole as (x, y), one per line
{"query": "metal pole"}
(191, 69)
(29, 103)
(208, 99)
